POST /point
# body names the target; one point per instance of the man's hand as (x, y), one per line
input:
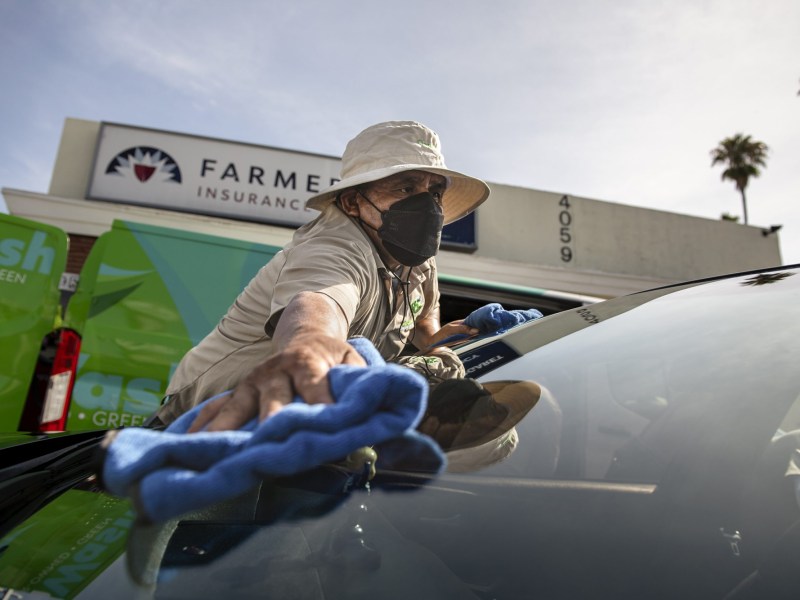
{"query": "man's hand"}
(451, 329)
(299, 369)
(309, 339)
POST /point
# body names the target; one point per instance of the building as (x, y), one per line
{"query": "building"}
(521, 238)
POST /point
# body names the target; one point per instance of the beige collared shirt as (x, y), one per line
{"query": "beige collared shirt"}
(331, 255)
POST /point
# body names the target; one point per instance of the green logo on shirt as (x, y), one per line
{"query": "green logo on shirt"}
(416, 306)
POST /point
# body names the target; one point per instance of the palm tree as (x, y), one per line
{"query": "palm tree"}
(743, 156)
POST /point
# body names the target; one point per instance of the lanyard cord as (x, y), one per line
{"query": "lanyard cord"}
(406, 301)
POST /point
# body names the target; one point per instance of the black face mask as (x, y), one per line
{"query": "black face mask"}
(412, 228)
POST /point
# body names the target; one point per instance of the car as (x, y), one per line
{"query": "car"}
(648, 446)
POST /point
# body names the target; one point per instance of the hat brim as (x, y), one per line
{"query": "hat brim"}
(475, 458)
(463, 195)
(517, 397)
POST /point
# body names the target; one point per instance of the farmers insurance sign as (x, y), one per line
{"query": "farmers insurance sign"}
(208, 176)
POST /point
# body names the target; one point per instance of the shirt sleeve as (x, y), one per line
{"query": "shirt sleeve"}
(331, 266)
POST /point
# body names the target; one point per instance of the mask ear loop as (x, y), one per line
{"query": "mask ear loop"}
(359, 219)
(407, 307)
(364, 196)
(358, 191)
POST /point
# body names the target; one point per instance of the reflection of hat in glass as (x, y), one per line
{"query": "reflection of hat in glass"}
(465, 415)
(396, 146)
(468, 460)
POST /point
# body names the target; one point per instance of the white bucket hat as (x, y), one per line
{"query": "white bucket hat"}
(396, 146)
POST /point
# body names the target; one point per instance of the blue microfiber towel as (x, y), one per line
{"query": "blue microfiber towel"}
(493, 318)
(171, 472)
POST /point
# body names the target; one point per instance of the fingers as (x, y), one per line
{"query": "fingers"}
(240, 408)
(308, 369)
(351, 357)
(461, 328)
(274, 391)
(454, 328)
(207, 413)
(299, 370)
(307, 364)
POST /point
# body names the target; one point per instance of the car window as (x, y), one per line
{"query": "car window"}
(702, 374)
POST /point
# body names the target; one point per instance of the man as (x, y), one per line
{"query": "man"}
(363, 267)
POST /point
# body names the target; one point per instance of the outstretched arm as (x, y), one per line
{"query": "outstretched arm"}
(429, 331)
(309, 339)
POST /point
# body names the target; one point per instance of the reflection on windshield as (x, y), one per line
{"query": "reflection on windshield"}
(308, 536)
(766, 278)
(676, 375)
(474, 423)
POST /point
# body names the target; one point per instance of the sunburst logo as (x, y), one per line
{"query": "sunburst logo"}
(145, 163)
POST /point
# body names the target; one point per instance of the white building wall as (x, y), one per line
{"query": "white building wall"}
(519, 224)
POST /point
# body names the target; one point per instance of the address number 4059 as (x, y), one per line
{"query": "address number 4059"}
(565, 233)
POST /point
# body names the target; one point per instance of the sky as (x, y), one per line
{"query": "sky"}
(616, 100)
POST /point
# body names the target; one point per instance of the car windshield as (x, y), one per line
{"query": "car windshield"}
(631, 382)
